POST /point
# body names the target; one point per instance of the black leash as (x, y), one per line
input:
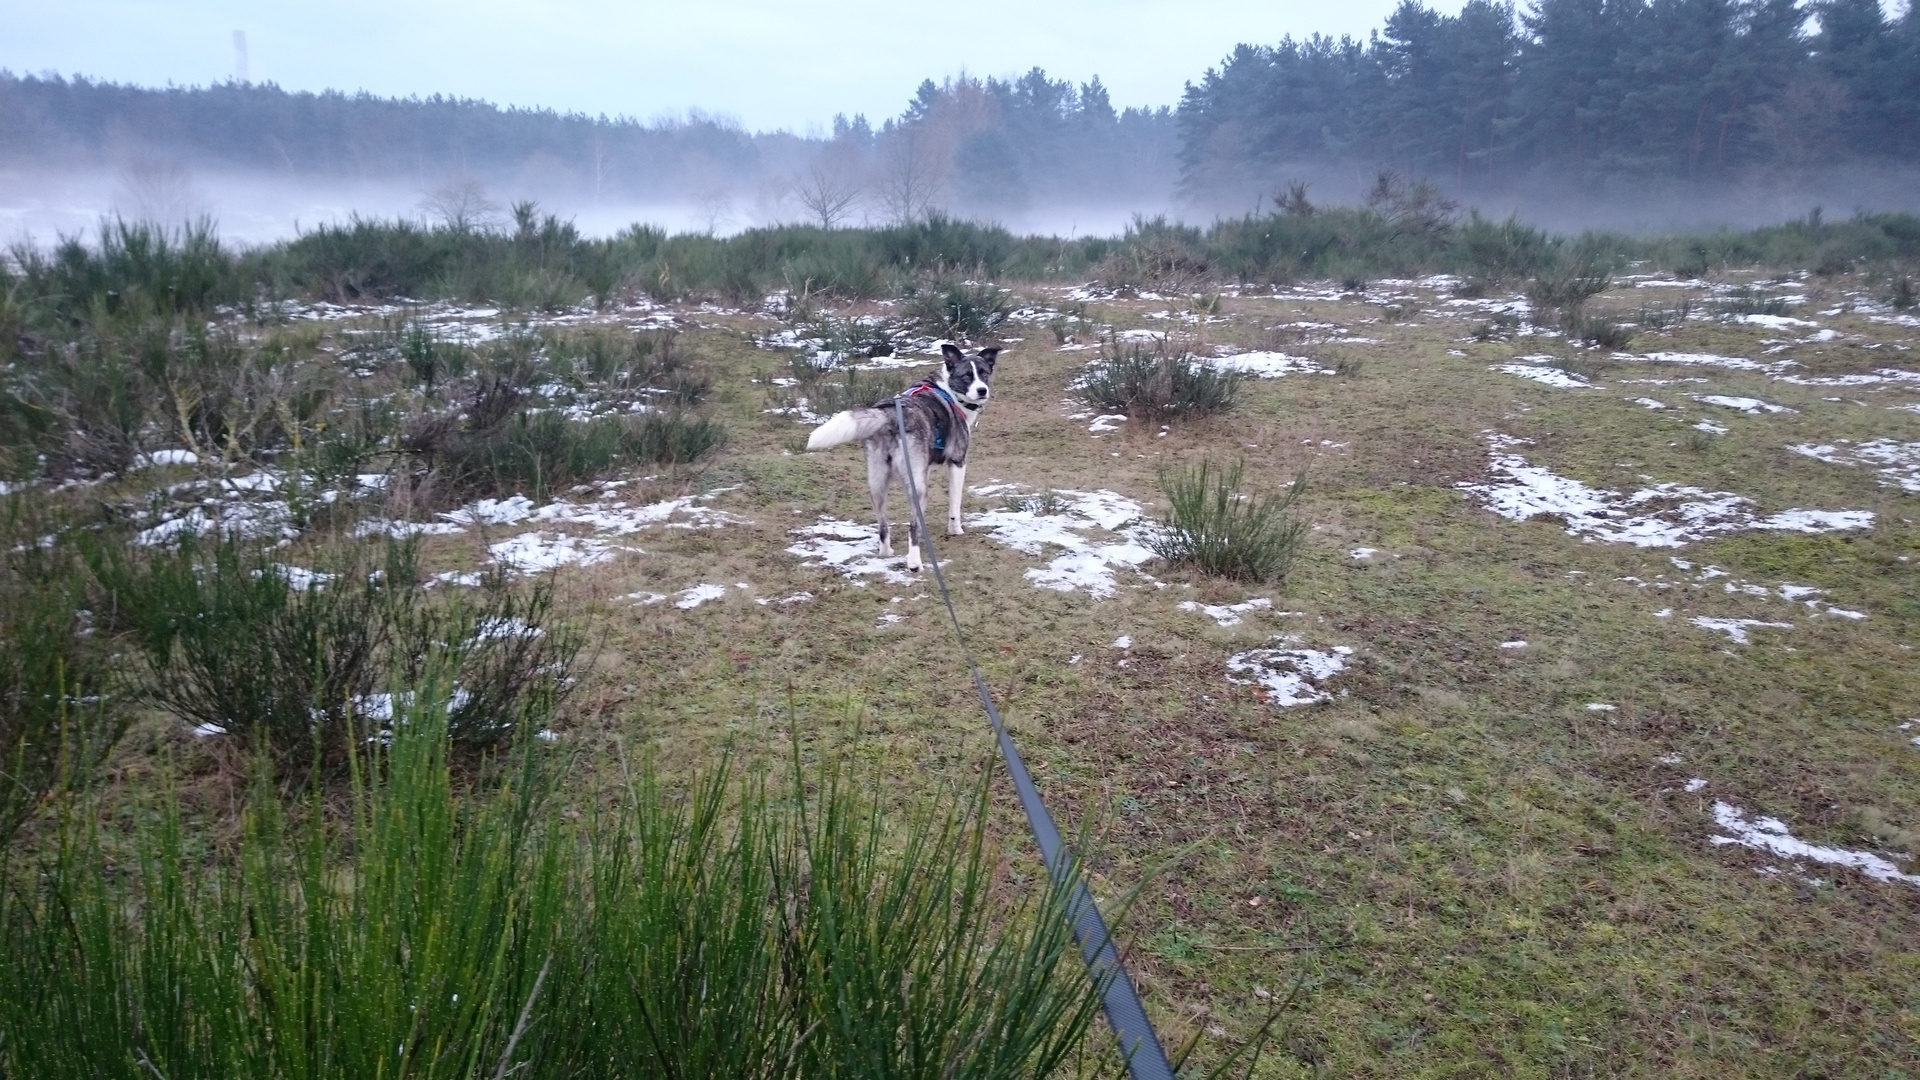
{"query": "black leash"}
(1139, 1043)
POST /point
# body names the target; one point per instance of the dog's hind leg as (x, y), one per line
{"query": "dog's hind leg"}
(917, 498)
(956, 486)
(878, 473)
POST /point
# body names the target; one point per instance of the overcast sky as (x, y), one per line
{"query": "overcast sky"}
(768, 63)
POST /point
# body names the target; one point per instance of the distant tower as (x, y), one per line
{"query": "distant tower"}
(240, 56)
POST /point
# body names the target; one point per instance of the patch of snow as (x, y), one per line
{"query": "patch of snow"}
(505, 629)
(1084, 562)
(1771, 835)
(643, 597)
(847, 549)
(1551, 376)
(1227, 614)
(206, 731)
(1669, 759)
(1773, 322)
(1107, 422)
(536, 552)
(468, 579)
(1744, 404)
(1877, 377)
(300, 579)
(1695, 784)
(697, 595)
(1734, 363)
(1601, 706)
(1124, 641)
(1513, 644)
(1710, 427)
(1667, 515)
(1292, 675)
(1363, 553)
(1736, 629)
(1897, 463)
(1266, 365)
(166, 457)
(1647, 403)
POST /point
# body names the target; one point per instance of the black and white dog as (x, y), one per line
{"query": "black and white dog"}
(939, 415)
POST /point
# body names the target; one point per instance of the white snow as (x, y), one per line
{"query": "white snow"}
(699, 594)
(535, 552)
(166, 457)
(1124, 641)
(1266, 365)
(847, 549)
(1774, 322)
(1084, 562)
(1743, 404)
(1771, 835)
(1601, 706)
(1107, 422)
(1291, 675)
(1227, 614)
(1667, 515)
(1647, 403)
(1698, 360)
(1711, 428)
(1363, 553)
(1736, 629)
(1551, 376)
(1897, 463)
(1513, 644)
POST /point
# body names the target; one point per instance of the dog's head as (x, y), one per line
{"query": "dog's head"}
(966, 376)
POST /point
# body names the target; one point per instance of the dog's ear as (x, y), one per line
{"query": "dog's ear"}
(952, 352)
(988, 354)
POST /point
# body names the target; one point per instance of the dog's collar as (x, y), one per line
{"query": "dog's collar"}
(971, 406)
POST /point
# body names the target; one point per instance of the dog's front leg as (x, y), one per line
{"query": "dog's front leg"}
(956, 486)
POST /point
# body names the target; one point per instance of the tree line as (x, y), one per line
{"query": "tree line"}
(1593, 90)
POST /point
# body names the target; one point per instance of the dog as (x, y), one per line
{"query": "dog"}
(939, 415)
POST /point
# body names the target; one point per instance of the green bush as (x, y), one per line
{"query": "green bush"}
(958, 311)
(730, 929)
(239, 645)
(1215, 528)
(60, 715)
(1149, 383)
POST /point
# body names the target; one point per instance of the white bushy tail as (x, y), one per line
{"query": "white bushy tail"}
(854, 425)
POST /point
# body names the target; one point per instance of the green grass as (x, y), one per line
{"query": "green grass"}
(769, 923)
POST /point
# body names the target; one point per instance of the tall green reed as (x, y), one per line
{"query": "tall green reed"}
(758, 923)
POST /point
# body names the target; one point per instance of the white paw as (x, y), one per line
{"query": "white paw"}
(913, 558)
(886, 550)
(953, 527)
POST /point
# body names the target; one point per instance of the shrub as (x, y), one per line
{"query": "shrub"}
(1215, 528)
(1567, 288)
(1149, 383)
(1747, 301)
(236, 644)
(958, 311)
(1901, 294)
(1597, 330)
(727, 930)
(59, 717)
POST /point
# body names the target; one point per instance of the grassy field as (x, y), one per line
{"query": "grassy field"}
(1495, 843)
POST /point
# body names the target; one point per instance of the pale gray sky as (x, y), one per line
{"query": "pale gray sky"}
(769, 63)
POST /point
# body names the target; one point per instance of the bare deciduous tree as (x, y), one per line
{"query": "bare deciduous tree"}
(829, 194)
(158, 192)
(462, 205)
(911, 180)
